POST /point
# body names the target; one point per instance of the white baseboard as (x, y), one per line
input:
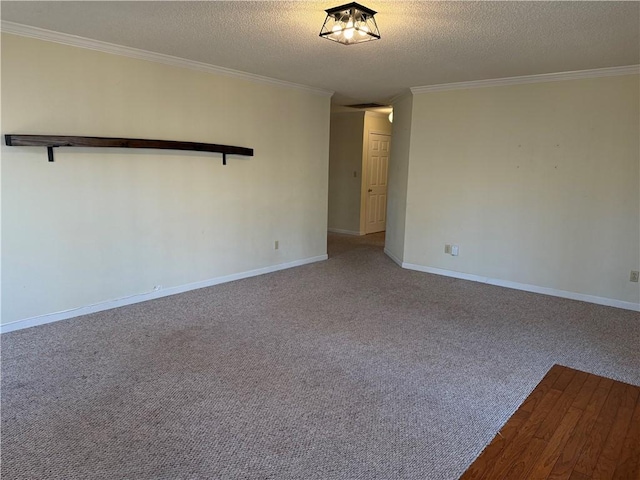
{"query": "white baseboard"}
(143, 297)
(345, 232)
(393, 257)
(609, 302)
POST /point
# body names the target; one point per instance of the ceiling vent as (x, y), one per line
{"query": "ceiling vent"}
(367, 105)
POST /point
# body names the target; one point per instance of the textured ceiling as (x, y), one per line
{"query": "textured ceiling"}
(423, 43)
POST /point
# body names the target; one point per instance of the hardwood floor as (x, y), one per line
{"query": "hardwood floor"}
(574, 426)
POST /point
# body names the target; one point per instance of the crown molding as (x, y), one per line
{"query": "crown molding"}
(403, 94)
(545, 77)
(105, 47)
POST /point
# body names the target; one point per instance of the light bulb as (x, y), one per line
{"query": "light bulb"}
(363, 29)
(336, 29)
(348, 33)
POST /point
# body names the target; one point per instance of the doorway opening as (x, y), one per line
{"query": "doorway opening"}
(341, 244)
(359, 155)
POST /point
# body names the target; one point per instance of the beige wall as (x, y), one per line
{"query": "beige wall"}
(100, 224)
(398, 178)
(538, 184)
(345, 171)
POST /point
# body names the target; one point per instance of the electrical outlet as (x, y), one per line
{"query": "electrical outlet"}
(455, 250)
(276, 245)
(447, 249)
(634, 276)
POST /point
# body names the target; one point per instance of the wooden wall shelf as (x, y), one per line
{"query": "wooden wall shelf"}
(54, 141)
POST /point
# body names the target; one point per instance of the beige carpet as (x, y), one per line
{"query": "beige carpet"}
(346, 369)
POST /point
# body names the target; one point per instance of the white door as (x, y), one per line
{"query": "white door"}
(377, 167)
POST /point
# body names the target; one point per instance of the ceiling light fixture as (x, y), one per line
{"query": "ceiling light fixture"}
(349, 24)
